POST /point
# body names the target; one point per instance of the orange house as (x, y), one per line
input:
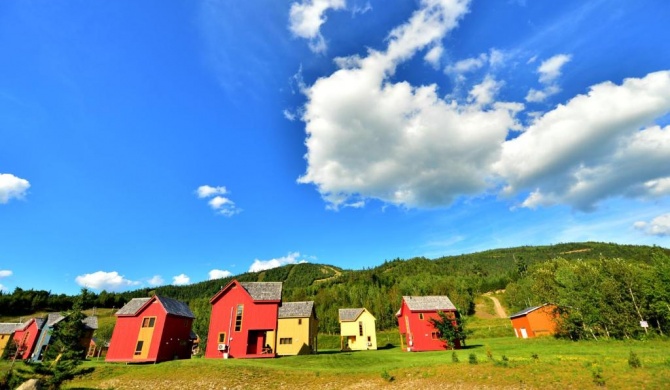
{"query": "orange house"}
(535, 321)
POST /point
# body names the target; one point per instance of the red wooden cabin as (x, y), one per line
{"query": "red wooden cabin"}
(417, 333)
(151, 330)
(243, 323)
(25, 337)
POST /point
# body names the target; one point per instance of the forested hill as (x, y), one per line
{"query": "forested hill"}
(379, 289)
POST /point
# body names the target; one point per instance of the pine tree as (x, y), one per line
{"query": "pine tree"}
(451, 328)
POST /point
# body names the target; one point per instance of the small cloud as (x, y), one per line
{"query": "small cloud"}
(102, 280)
(289, 115)
(550, 69)
(3, 288)
(659, 226)
(157, 280)
(262, 265)
(219, 274)
(306, 18)
(181, 280)
(221, 204)
(433, 56)
(12, 187)
(5, 273)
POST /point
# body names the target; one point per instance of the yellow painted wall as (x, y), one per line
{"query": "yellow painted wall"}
(350, 332)
(4, 340)
(302, 335)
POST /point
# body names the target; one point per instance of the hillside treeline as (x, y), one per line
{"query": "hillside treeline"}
(604, 297)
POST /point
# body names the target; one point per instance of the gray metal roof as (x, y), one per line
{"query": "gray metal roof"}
(175, 307)
(132, 306)
(53, 318)
(9, 327)
(263, 291)
(429, 303)
(296, 309)
(525, 311)
(350, 314)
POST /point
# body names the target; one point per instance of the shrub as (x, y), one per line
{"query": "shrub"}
(634, 360)
(472, 359)
(454, 357)
(597, 375)
(387, 377)
(535, 356)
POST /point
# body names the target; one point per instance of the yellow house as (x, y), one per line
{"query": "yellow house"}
(6, 332)
(357, 330)
(297, 328)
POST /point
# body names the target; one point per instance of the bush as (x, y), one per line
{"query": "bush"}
(472, 359)
(454, 357)
(387, 377)
(634, 360)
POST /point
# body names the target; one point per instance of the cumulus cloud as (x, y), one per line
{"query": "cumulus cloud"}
(102, 280)
(369, 137)
(595, 146)
(181, 280)
(218, 274)
(433, 56)
(218, 202)
(262, 265)
(12, 187)
(306, 18)
(156, 280)
(550, 71)
(5, 273)
(659, 226)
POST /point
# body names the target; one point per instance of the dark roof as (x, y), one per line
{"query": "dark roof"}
(263, 291)
(296, 309)
(429, 303)
(350, 314)
(9, 327)
(525, 311)
(53, 318)
(175, 307)
(132, 306)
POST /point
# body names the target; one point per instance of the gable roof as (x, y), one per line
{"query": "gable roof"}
(53, 318)
(527, 310)
(429, 303)
(132, 307)
(296, 309)
(91, 322)
(9, 327)
(347, 315)
(171, 306)
(263, 291)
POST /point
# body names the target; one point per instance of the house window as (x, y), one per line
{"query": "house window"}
(138, 348)
(299, 321)
(286, 341)
(238, 318)
(222, 338)
(420, 316)
(360, 328)
(435, 335)
(148, 322)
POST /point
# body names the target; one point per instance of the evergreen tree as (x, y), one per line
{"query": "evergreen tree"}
(451, 328)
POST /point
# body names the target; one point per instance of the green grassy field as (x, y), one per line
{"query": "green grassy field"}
(540, 363)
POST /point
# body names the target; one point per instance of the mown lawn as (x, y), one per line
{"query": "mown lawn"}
(542, 363)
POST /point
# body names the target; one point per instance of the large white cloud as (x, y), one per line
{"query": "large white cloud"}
(262, 265)
(595, 146)
(219, 274)
(306, 18)
(659, 226)
(12, 187)
(370, 137)
(102, 280)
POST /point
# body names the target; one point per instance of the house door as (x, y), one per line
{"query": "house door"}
(524, 334)
(256, 342)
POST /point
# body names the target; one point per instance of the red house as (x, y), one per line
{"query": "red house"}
(151, 330)
(25, 337)
(243, 323)
(417, 333)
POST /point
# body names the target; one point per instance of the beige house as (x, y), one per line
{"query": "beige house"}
(297, 328)
(357, 330)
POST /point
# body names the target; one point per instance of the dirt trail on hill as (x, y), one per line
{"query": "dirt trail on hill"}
(499, 309)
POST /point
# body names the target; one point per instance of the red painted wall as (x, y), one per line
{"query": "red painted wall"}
(420, 330)
(256, 316)
(29, 343)
(168, 331)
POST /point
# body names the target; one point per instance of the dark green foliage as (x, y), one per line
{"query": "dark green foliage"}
(597, 375)
(451, 329)
(534, 356)
(387, 377)
(454, 357)
(634, 360)
(472, 359)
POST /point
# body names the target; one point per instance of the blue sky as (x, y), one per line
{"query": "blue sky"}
(170, 142)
